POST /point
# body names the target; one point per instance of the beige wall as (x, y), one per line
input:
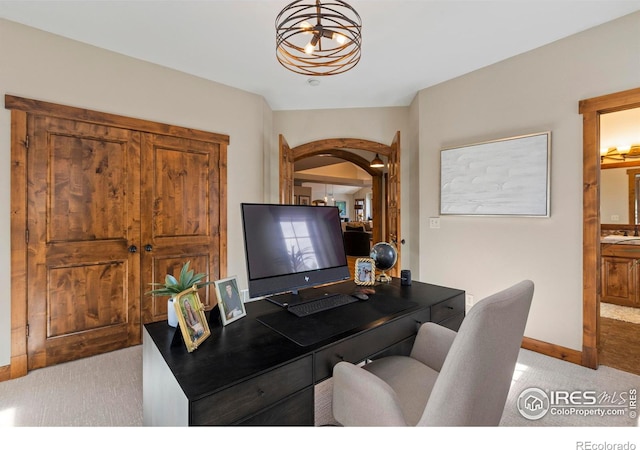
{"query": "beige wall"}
(536, 91)
(43, 66)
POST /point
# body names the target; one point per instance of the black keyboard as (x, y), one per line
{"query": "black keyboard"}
(322, 304)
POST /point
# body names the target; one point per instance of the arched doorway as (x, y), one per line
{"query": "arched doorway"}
(385, 202)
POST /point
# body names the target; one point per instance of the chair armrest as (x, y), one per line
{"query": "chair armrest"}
(432, 345)
(362, 399)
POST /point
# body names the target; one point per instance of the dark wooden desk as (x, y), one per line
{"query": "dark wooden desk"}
(249, 374)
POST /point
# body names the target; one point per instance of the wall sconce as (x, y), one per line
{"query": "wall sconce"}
(620, 153)
(624, 149)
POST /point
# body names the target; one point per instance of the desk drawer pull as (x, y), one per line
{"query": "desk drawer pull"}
(261, 393)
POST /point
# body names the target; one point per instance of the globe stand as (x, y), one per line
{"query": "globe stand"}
(383, 278)
(385, 257)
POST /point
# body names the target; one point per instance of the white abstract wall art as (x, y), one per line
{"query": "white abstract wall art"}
(505, 177)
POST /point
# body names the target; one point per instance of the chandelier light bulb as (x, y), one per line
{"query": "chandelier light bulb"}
(340, 38)
(624, 149)
(309, 48)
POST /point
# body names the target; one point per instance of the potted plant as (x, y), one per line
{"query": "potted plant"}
(173, 286)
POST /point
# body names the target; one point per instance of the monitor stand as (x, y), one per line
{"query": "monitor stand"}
(300, 296)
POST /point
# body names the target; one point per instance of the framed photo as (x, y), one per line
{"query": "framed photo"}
(191, 318)
(304, 199)
(365, 272)
(342, 207)
(229, 301)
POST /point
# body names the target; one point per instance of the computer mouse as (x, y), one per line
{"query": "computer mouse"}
(360, 295)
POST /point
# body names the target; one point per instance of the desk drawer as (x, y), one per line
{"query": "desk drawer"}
(453, 322)
(253, 395)
(449, 308)
(368, 343)
(296, 410)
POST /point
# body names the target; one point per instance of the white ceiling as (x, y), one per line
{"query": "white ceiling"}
(407, 45)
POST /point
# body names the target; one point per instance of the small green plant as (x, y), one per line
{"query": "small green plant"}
(173, 286)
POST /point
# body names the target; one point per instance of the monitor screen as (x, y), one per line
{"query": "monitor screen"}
(292, 247)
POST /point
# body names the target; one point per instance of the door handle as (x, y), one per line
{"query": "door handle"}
(148, 247)
(133, 249)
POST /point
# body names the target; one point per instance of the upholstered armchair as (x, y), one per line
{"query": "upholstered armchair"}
(449, 379)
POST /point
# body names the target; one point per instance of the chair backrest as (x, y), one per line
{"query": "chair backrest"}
(473, 385)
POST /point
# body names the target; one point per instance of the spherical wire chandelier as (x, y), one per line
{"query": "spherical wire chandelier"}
(318, 38)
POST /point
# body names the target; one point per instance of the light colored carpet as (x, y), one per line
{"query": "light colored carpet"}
(625, 313)
(102, 390)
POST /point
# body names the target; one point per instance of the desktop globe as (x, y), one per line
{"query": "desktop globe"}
(385, 257)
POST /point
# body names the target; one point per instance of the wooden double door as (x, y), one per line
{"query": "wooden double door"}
(111, 209)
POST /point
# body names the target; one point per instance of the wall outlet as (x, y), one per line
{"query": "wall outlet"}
(434, 222)
(468, 302)
(615, 218)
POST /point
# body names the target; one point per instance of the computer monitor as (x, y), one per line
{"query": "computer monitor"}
(290, 248)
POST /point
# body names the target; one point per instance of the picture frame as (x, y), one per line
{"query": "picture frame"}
(229, 300)
(504, 177)
(342, 207)
(191, 318)
(365, 272)
(304, 199)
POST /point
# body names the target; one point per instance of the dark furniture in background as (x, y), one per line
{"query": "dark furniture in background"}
(357, 243)
(247, 373)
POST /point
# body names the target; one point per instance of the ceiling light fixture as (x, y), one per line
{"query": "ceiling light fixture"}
(318, 38)
(376, 162)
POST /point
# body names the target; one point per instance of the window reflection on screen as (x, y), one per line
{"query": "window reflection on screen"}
(300, 248)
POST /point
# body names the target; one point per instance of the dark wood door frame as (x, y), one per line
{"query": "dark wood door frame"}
(591, 109)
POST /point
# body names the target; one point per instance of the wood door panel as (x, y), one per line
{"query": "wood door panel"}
(86, 194)
(163, 265)
(619, 281)
(84, 298)
(83, 215)
(286, 172)
(181, 193)
(181, 182)
(393, 202)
